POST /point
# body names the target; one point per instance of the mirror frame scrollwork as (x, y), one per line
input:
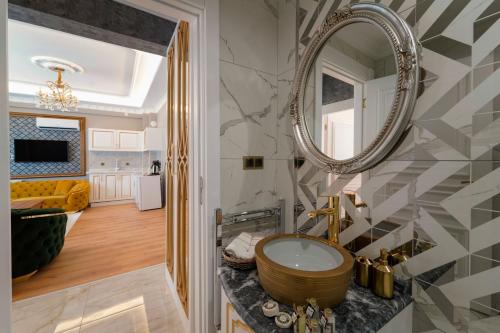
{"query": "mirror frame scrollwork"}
(405, 49)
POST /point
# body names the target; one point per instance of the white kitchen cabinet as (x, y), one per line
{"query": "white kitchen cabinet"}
(115, 140)
(112, 186)
(153, 139)
(102, 139)
(125, 186)
(110, 183)
(129, 140)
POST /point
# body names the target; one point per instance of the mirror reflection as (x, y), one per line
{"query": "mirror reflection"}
(350, 90)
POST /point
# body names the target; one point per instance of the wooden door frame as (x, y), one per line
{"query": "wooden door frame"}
(204, 184)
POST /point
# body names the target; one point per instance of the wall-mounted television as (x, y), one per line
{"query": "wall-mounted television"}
(40, 151)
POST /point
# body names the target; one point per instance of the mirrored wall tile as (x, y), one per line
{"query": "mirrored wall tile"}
(481, 216)
(487, 306)
(481, 322)
(493, 56)
(285, 188)
(248, 31)
(436, 307)
(487, 18)
(248, 112)
(243, 190)
(286, 35)
(480, 264)
(457, 20)
(485, 140)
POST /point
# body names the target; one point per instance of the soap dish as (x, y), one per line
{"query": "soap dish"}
(238, 263)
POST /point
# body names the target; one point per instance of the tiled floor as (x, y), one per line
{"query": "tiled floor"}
(134, 302)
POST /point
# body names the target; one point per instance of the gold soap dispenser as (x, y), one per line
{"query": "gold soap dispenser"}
(383, 276)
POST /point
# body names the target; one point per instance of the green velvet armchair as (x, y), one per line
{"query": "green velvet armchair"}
(37, 238)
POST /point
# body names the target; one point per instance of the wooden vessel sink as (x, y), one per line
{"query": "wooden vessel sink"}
(294, 267)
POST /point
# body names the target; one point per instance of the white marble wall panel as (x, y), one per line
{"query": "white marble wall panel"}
(247, 189)
(286, 141)
(248, 112)
(248, 33)
(255, 85)
(286, 35)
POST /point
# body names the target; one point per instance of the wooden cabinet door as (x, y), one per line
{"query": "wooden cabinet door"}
(130, 140)
(110, 187)
(95, 188)
(102, 139)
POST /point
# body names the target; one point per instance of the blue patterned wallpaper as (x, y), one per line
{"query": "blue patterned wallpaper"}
(24, 127)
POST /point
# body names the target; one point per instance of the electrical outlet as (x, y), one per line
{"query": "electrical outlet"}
(253, 162)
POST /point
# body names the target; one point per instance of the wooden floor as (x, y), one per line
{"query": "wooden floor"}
(105, 241)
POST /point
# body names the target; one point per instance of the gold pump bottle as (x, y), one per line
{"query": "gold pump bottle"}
(383, 276)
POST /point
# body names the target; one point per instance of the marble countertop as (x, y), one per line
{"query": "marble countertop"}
(361, 311)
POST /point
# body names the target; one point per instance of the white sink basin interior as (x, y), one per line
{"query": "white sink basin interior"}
(303, 254)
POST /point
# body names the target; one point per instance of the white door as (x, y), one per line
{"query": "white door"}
(125, 186)
(129, 140)
(95, 188)
(109, 183)
(379, 94)
(102, 139)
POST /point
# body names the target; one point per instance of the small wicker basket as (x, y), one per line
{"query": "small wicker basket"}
(243, 264)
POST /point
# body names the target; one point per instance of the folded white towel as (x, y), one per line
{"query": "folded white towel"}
(237, 248)
(245, 237)
(243, 246)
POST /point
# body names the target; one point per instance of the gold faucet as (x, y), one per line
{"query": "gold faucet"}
(333, 213)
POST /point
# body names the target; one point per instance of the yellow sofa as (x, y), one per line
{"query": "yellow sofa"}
(70, 195)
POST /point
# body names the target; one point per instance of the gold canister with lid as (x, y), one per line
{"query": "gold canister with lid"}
(383, 276)
(363, 271)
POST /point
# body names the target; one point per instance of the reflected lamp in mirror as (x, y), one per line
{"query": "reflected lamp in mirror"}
(355, 88)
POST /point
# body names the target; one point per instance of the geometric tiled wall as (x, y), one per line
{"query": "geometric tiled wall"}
(440, 190)
(24, 127)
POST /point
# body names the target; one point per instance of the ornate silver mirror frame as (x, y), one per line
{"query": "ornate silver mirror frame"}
(404, 46)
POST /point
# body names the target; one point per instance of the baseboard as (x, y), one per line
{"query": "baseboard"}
(111, 203)
(177, 301)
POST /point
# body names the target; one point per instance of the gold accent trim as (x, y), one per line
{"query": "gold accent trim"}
(235, 323)
(333, 213)
(182, 164)
(170, 162)
(83, 148)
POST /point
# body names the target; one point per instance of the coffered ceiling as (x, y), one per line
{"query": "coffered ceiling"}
(115, 78)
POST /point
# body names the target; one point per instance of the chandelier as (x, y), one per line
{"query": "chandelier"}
(60, 96)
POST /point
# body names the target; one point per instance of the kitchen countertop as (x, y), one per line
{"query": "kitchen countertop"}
(94, 171)
(361, 311)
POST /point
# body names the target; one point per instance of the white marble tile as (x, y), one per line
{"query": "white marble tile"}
(286, 35)
(248, 33)
(247, 189)
(51, 313)
(286, 140)
(127, 291)
(248, 112)
(138, 301)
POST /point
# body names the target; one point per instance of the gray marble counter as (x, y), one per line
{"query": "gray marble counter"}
(361, 311)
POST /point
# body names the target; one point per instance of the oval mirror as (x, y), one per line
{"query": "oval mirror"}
(355, 88)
